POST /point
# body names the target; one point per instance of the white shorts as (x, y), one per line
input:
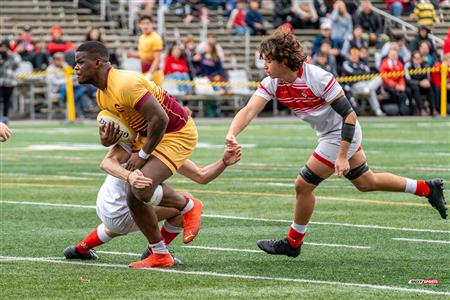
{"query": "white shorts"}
(328, 149)
(123, 224)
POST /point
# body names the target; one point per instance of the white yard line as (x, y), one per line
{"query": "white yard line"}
(233, 276)
(214, 216)
(421, 241)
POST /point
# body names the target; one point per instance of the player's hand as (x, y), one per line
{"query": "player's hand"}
(5, 132)
(231, 155)
(135, 163)
(341, 166)
(137, 180)
(230, 141)
(109, 134)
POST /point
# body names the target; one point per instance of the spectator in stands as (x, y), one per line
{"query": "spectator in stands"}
(399, 43)
(323, 8)
(364, 57)
(356, 41)
(371, 24)
(190, 50)
(341, 24)
(395, 86)
(325, 34)
(362, 89)
(176, 66)
(229, 6)
(211, 41)
(418, 85)
(9, 63)
(422, 35)
(150, 47)
(56, 81)
(215, 4)
(282, 13)
(237, 19)
(305, 14)
(57, 44)
(254, 20)
(395, 6)
(29, 50)
(193, 9)
(425, 14)
(325, 48)
(424, 50)
(352, 6)
(436, 77)
(95, 34)
(211, 67)
(321, 59)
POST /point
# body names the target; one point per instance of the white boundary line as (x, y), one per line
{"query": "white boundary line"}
(422, 241)
(224, 275)
(242, 218)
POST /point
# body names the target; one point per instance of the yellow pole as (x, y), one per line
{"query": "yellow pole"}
(444, 71)
(70, 101)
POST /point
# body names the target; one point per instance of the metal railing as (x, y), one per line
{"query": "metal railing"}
(405, 25)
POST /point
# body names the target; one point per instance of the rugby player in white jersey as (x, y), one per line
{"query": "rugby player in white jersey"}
(315, 97)
(112, 208)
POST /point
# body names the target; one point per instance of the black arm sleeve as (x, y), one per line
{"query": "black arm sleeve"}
(342, 106)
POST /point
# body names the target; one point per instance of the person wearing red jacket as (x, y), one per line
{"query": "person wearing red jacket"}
(29, 50)
(394, 86)
(176, 66)
(436, 76)
(57, 44)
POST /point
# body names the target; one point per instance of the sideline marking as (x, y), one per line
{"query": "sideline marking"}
(224, 275)
(422, 241)
(243, 218)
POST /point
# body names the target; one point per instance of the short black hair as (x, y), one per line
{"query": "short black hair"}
(95, 49)
(146, 17)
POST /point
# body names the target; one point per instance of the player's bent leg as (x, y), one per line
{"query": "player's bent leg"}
(311, 175)
(365, 180)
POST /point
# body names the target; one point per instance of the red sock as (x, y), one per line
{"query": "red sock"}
(90, 241)
(422, 188)
(168, 236)
(295, 238)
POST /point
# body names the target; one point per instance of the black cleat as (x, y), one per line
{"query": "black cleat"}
(147, 252)
(436, 196)
(72, 253)
(278, 247)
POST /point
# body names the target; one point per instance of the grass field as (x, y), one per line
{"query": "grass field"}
(360, 245)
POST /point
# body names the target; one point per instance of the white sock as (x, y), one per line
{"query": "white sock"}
(159, 247)
(188, 206)
(299, 228)
(411, 186)
(102, 235)
(172, 229)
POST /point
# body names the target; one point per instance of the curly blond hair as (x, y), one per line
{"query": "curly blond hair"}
(283, 47)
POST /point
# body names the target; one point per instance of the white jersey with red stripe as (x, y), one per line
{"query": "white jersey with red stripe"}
(309, 97)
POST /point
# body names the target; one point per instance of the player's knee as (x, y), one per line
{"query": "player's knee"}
(307, 181)
(364, 186)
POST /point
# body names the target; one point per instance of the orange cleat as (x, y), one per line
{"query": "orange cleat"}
(155, 260)
(191, 221)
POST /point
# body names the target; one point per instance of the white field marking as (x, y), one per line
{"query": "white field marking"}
(63, 205)
(50, 157)
(119, 253)
(402, 141)
(62, 147)
(258, 251)
(233, 276)
(431, 124)
(220, 146)
(46, 177)
(47, 131)
(432, 168)
(422, 241)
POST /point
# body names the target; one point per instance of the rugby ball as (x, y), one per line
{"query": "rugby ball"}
(128, 133)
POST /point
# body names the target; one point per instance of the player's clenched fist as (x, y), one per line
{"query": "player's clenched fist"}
(137, 180)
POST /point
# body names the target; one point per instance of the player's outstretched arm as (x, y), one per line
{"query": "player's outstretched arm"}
(112, 164)
(254, 106)
(5, 132)
(207, 174)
